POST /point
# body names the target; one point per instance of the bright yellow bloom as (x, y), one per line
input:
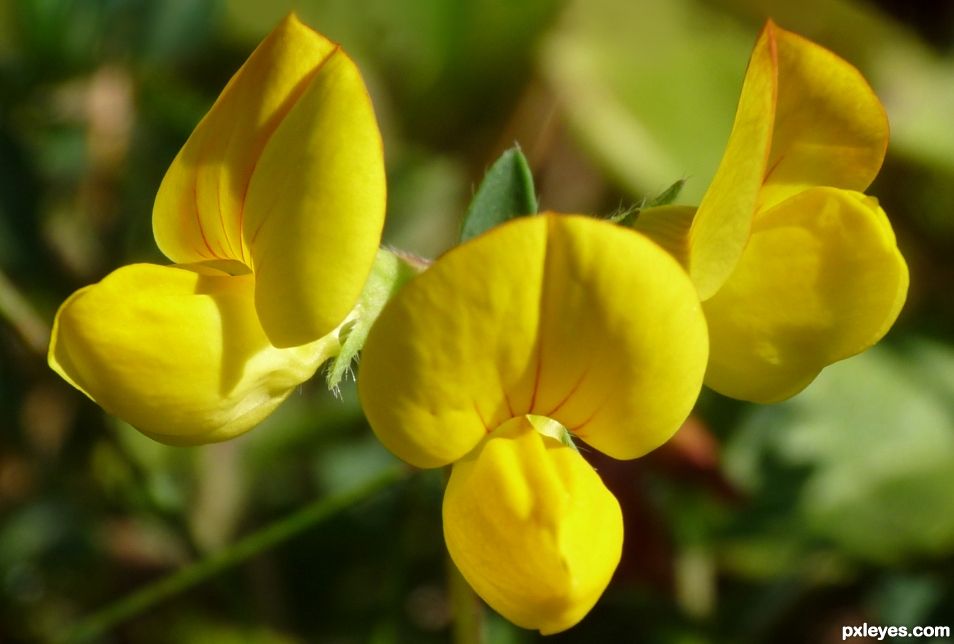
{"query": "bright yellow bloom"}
(796, 268)
(273, 212)
(559, 318)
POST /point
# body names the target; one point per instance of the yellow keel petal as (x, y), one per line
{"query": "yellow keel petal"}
(532, 528)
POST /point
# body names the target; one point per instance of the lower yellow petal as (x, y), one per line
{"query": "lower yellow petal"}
(177, 352)
(532, 528)
(820, 280)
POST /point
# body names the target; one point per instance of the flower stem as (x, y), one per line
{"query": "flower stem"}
(467, 609)
(21, 316)
(287, 528)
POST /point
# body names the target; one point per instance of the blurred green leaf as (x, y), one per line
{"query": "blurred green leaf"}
(505, 193)
(874, 438)
(650, 88)
(907, 598)
(626, 216)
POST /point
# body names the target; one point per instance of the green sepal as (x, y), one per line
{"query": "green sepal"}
(505, 193)
(626, 216)
(388, 274)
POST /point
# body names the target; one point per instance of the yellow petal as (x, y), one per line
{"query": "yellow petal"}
(669, 227)
(721, 226)
(285, 174)
(444, 352)
(830, 128)
(805, 118)
(532, 528)
(177, 352)
(820, 280)
(315, 207)
(198, 210)
(559, 316)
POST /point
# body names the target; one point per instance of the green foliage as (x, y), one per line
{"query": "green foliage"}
(506, 192)
(626, 216)
(873, 439)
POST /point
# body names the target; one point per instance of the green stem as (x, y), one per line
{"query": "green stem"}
(21, 316)
(309, 516)
(468, 611)
(466, 607)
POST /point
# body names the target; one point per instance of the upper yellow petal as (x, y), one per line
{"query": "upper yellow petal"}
(559, 316)
(532, 528)
(805, 118)
(722, 224)
(198, 211)
(177, 352)
(315, 207)
(622, 342)
(444, 353)
(820, 280)
(285, 174)
(830, 127)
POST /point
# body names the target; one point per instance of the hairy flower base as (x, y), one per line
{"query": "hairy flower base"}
(531, 527)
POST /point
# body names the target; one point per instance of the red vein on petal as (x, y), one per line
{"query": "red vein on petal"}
(579, 428)
(774, 166)
(509, 406)
(270, 129)
(198, 217)
(569, 394)
(480, 417)
(225, 233)
(536, 376)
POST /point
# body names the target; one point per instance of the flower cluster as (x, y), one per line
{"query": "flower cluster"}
(538, 333)
(272, 211)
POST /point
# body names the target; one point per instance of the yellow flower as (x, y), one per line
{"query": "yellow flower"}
(796, 268)
(544, 321)
(272, 212)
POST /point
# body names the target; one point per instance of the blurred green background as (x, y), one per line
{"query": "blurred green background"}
(755, 524)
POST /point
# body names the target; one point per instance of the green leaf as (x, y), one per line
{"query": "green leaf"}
(667, 196)
(626, 216)
(864, 457)
(506, 192)
(388, 275)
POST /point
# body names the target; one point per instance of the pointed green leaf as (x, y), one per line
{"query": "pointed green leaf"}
(506, 192)
(667, 196)
(626, 216)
